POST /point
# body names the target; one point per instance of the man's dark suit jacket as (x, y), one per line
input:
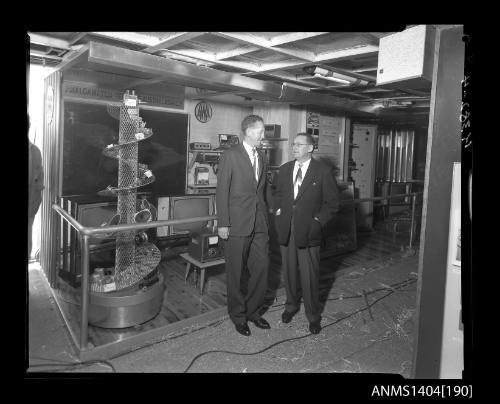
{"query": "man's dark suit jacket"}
(318, 197)
(238, 193)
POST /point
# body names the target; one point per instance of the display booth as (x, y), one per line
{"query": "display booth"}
(114, 144)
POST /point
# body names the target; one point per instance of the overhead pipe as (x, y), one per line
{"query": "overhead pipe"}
(404, 148)
(411, 150)
(400, 163)
(389, 160)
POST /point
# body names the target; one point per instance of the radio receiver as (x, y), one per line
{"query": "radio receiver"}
(200, 146)
(206, 247)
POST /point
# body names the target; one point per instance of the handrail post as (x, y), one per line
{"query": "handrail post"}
(413, 199)
(85, 291)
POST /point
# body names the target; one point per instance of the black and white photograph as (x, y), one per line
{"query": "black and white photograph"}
(244, 202)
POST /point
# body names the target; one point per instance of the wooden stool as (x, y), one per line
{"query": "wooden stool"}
(202, 265)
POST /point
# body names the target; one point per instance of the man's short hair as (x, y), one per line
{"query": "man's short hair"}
(308, 136)
(249, 121)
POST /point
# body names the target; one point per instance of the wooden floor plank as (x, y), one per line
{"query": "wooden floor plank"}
(183, 299)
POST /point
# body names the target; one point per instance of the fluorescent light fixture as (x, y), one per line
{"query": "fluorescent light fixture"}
(331, 78)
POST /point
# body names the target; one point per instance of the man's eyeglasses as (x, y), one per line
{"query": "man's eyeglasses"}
(301, 144)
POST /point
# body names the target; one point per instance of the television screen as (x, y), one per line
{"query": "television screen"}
(189, 207)
(95, 214)
(89, 128)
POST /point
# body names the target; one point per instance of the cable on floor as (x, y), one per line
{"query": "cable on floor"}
(218, 322)
(391, 291)
(357, 296)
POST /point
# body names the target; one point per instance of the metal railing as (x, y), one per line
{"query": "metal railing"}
(413, 196)
(86, 232)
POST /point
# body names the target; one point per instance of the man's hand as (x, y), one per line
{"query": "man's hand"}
(223, 232)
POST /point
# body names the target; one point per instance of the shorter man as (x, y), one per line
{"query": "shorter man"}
(305, 200)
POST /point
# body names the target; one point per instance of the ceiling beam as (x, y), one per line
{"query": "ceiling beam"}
(172, 40)
(44, 55)
(242, 50)
(77, 37)
(130, 37)
(210, 57)
(250, 39)
(293, 37)
(277, 40)
(326, 57)
(48, 41)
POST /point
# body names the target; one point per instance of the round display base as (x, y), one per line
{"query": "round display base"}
(126, 308)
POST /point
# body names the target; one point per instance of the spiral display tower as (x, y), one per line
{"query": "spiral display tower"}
(133, 261)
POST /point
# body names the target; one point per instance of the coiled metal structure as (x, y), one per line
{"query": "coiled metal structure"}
(132, 263)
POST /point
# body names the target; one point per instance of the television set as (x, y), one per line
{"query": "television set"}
(185, 207)
(94, 215)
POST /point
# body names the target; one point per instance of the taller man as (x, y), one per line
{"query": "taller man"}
(306, 199)
(242, 222)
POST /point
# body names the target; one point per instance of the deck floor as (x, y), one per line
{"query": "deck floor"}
(183, 300)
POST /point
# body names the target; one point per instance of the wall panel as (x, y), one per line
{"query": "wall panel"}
(52, 137)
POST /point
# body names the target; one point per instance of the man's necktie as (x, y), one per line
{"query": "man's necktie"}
(254, 164)
(298, 178)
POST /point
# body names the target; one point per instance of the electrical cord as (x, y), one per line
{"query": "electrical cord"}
(392, 289)
(398, 284)
(172, 337)
(70, 366)
(220, 321)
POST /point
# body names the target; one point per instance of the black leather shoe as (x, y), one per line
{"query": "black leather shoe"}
(243, 329)
(261, 323)
(286, 317)
(315, 328)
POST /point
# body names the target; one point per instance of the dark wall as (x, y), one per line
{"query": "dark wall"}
(89, 128)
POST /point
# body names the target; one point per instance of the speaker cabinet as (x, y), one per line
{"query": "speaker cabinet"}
(405, 59)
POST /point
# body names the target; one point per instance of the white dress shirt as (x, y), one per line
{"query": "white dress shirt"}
(304, 168)
(249, 150)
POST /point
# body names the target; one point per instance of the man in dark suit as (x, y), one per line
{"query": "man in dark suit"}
(242, 222)
(35, 187)
(305, 200)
